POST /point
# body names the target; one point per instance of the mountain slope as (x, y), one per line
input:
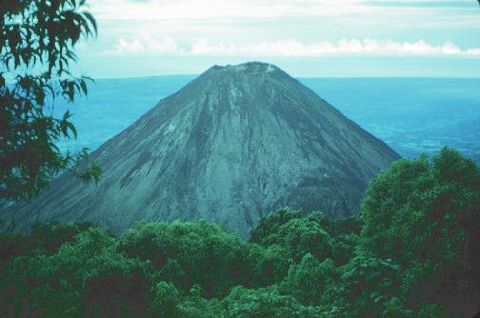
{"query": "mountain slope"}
(232, 145)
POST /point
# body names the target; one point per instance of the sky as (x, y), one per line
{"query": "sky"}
(307, 38)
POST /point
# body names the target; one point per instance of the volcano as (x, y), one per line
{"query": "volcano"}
(232, 145)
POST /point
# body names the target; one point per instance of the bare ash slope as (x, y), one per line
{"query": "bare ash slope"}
(234, 144)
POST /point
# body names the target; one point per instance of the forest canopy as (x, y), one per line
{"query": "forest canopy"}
(413, 252)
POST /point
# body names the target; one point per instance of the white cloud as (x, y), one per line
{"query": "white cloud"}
(129, 47)
(145, 44)
(149, 45)
(290, 30)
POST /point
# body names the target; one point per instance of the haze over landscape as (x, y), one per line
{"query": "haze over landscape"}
(412, 115)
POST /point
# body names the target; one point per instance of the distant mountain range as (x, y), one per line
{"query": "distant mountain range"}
(232, 145)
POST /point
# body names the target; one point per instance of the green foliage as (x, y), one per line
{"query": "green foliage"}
(44, 238)
(67, 282)
(417, 236)
(345, 234)
(372, 286)
(298, 235)
(37, 47)
(190, 253)
(269, 264)
(11, 246)
(265, 231)
(423, 215)
(414, 208)
(308, 280)
(195, 306)
(49, 237)
(166, 298)
(265, 302)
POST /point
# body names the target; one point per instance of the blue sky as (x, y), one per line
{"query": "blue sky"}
(321, 38)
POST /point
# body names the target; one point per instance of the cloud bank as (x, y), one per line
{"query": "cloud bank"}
(149, 45)
(419, 37)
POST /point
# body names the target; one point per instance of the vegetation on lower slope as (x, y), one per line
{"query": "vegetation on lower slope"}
(413, 252)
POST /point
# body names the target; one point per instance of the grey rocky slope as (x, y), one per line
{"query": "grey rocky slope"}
(234, 144)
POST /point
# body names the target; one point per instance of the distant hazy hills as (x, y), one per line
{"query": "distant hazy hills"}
(233, 144)
(411, 115)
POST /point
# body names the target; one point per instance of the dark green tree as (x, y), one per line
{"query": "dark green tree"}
(37, 48)
(309, 280)
(268, 226)
(165, 300)
(296, 234)
(189, 254)
(265, 302)
(86, 277)
(424, 215)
